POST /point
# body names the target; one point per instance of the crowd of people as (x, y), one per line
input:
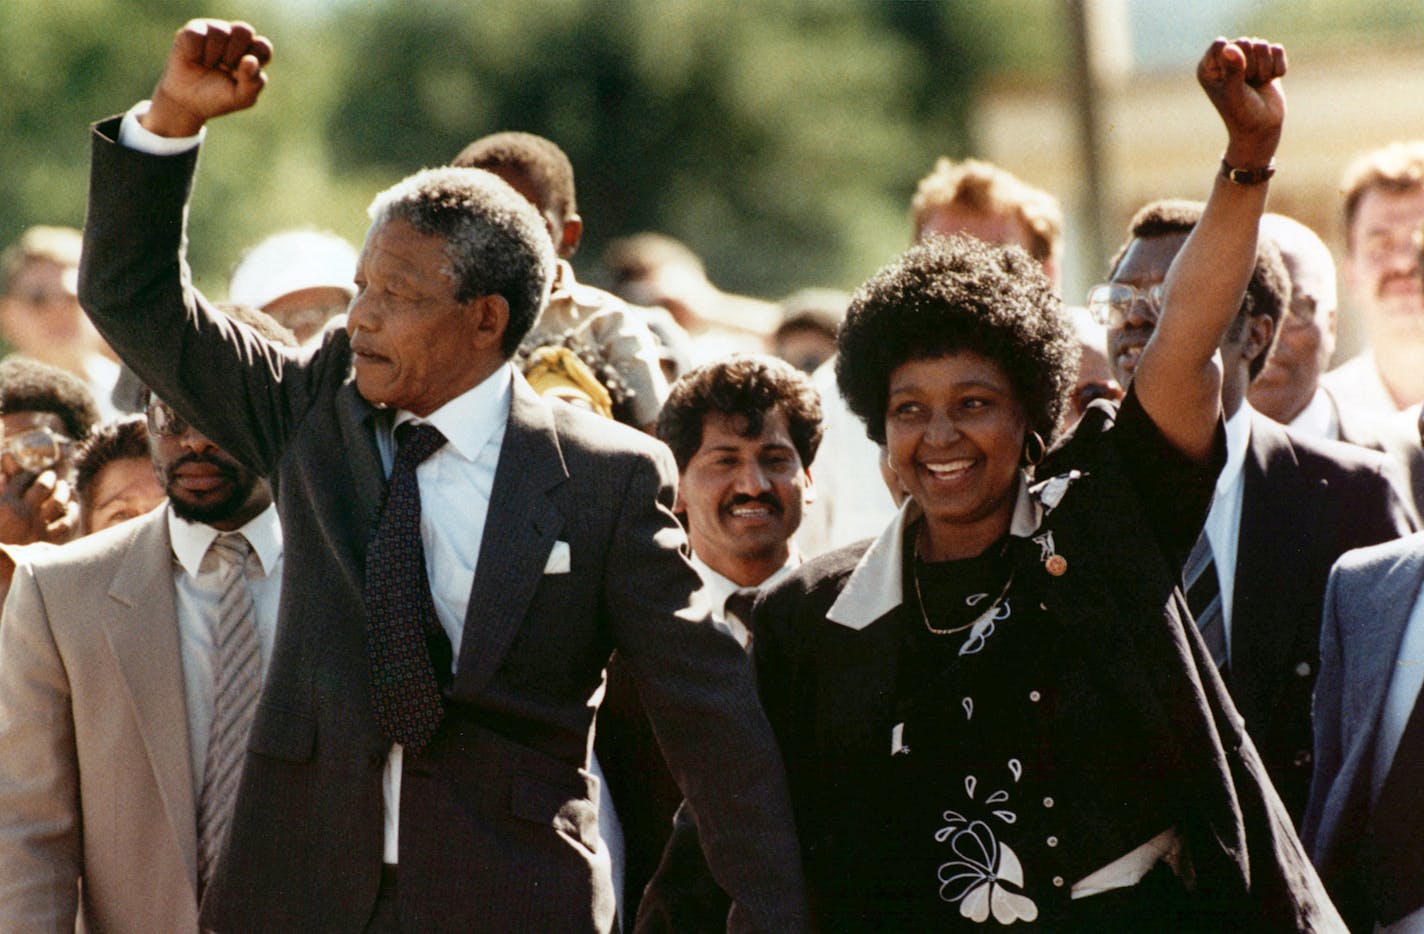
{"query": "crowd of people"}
(423, 587)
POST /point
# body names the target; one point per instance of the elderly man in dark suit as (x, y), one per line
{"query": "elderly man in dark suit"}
(418, 758)
(1285, 507)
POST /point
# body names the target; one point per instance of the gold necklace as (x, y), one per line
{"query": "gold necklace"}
(920, 598)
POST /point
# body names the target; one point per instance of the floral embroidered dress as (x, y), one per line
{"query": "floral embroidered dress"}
(960, 758)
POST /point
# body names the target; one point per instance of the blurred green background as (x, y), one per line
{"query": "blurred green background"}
(780, 140)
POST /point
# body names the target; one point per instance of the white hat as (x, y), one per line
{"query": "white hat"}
(290, 262)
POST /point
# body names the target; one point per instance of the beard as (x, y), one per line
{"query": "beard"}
(222, 504)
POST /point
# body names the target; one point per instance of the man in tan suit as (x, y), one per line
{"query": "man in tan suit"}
(121, 671)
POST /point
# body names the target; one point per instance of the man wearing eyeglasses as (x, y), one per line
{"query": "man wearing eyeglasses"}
(44, 413)
(1285, 507)
(130, 666)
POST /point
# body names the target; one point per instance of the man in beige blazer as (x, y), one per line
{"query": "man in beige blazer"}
(109, 697)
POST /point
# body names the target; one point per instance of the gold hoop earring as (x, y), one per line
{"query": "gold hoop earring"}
(1035, 449)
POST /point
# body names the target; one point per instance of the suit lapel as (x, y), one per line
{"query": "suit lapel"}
(520, 530)
(1281, 511)
(140, 622)
(355, 419)
(1377, 633)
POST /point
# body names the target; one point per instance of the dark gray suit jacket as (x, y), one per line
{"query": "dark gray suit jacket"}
(1306, 502)
(498, 817)
(1367, 607)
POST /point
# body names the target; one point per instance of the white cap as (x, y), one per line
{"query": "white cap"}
(290, 262)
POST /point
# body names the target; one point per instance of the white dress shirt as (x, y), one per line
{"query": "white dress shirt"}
(1318, 418)
(455, 484)
(198, 589)
(718, 588)
(1223, 522)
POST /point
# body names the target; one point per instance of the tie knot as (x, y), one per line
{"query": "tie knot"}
(232, 548)
(415, 443)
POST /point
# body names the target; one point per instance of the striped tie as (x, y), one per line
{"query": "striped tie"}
(1203, 591)
(237, 673)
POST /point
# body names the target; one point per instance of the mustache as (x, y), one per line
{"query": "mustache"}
(227, 467)
(767, 499)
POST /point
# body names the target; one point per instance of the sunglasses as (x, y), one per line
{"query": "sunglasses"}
(36, 449)
(163, 421)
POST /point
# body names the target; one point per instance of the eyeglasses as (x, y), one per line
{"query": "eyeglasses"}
(1112, 302)
(163, 422)
(36, 449)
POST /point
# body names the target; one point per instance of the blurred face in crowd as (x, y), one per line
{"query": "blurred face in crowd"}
(954, 435)
(41, 317)
(1133, 315)
(804, 347)
(35, 442)
(203, 482)
(124, 488)
(414, 346)
(1303, 348)
(743, 496)
(305, 311)
(1382, 268)
(950, 219)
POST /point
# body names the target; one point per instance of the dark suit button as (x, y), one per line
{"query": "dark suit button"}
(1302, 757)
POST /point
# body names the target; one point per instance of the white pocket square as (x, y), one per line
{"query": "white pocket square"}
(558, 562)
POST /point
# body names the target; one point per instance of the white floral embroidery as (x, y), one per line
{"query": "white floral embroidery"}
(975, 877)
(983, 627)
(1049, 493)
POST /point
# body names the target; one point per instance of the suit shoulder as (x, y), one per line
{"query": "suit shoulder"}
(586, 432)
(819, 579)
(108, 545)
(1325, 458)
(1374, 560)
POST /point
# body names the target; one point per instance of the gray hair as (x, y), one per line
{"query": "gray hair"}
(494, 239)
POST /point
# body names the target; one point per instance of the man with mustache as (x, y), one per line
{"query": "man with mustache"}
(1384, 205)
(1286, 506)
(130, 665)
(743, 432)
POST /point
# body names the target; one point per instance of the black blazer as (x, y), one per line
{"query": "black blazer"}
(498, 817)
(1305, 503)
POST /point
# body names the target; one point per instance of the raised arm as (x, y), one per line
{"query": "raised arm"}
(214, 68)
(1179, 376)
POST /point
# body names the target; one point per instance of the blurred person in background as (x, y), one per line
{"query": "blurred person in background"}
(806, 336)
(302, 278)
(1095, 376)
(114, 477)
(40, 317)
(1384, 205)
(654, 269)
(1289, 388)
(540, 171)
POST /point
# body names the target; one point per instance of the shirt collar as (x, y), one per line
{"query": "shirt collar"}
(191, 540)
(1238, 439)
(719, 587)
(1318, 418)
(469, 420)
(876, 586)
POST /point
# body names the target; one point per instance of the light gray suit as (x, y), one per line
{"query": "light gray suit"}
(95, 775)
(1368, 602)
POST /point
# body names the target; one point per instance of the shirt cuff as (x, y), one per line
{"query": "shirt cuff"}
(133, 135)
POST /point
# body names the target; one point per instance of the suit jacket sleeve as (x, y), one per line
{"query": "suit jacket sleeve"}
(240, 390)
(697, 684)
(1325, 714)
(39, 781)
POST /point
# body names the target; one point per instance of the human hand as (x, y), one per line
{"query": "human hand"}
(1241, 79)
(37, 508)
(214, 68)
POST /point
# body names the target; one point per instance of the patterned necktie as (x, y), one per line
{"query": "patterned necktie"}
(737, 612)
(237, 676)
(1203, 590)
(409, 650)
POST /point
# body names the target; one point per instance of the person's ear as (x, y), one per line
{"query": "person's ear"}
(808, 491)
(1258, 339)
(491, 313)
